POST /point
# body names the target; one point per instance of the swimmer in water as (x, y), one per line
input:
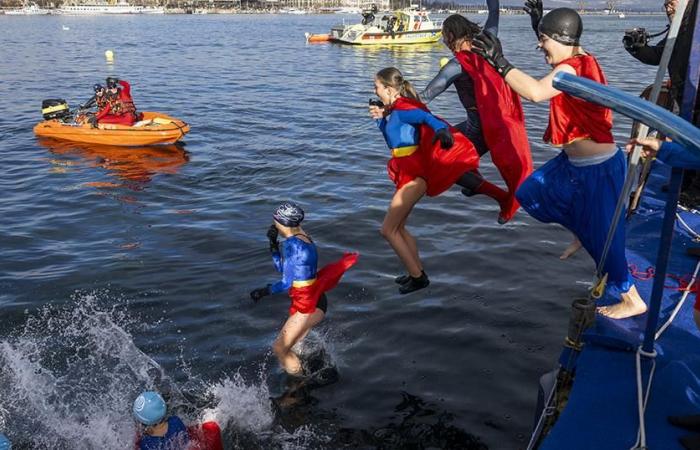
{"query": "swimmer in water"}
(160, 432)
(297, 259)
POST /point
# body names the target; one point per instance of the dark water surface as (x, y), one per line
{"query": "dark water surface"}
(125, 269)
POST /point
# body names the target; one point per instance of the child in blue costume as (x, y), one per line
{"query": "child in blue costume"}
(160, 433)
(297, 260)
(427, 158)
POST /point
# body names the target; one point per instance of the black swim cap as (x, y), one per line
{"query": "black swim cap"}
(289, 214)
(563, 25)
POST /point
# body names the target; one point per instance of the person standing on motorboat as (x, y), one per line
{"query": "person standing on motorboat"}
(579, 188)
(487, 100)
(120, 108)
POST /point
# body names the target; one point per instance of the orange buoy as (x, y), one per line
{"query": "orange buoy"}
(318, 37)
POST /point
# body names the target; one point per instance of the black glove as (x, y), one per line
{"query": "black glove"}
(445, 138)
(272, 234)
(257, 294)
(92, 120)
(534, 9)
(488, 47)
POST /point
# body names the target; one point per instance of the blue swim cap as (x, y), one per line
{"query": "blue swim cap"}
(5, 443)
(149, 408)
(98, 87)
(289, 214)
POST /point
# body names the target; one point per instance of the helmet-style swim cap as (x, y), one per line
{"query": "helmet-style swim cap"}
(289, 214)
(563, 25)
(5, 443)
(149, 408)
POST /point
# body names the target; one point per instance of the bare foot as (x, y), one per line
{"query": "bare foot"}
(631, 305)
(571, 249)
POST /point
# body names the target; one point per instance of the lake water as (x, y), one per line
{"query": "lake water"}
(130, 269)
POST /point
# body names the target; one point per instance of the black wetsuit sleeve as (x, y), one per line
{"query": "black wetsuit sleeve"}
(494, 12)
(650, 54)
(444, 79)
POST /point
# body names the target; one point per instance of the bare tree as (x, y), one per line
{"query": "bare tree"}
(610, 4)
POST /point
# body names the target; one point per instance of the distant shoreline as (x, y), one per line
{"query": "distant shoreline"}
(506, 11)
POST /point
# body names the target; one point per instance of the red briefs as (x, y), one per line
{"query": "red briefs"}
(304, 299)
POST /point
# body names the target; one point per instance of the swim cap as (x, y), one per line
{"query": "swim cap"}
(5, 443)
(563, 25)
(289, 214)
(149, 408)
(98, 87)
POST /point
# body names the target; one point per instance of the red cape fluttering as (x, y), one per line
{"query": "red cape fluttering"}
(304, 299)
(440, 168)
(502, 121)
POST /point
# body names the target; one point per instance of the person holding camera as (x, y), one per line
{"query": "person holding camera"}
(494, 115)
(579, 188)
(428, 157)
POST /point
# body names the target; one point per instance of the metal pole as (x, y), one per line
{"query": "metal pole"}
(690, 90)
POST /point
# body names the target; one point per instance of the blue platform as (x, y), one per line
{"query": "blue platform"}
(602, 410)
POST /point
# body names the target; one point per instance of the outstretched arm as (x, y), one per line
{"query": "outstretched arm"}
(536, 90)
(444, 79)
(648, 54)
(494, 13)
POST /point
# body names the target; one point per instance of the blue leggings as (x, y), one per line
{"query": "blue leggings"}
(583, 200)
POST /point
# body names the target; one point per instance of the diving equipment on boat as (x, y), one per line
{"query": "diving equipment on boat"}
(563, 25)
(55, 108)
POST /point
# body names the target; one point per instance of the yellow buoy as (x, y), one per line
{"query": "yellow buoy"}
(109, 55)
(444, 61)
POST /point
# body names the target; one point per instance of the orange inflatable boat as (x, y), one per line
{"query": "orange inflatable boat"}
(154, 129)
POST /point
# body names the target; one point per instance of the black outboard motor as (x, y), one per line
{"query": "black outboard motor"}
(55, 108)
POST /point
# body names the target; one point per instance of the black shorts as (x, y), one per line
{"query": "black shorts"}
(322, 303)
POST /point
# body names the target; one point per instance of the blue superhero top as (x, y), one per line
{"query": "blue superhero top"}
(678, 156)
(400, 126)
(298, 262)
(175, 438)
(452, 73)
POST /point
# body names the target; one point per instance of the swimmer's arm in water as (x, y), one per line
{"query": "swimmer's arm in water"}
(444, 79)
(491, 24)
(536, 90)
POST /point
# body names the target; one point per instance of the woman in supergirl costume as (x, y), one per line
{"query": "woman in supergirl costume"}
(428, 156)
(297, 260)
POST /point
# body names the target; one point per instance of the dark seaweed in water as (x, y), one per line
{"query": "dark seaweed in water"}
(419, 425)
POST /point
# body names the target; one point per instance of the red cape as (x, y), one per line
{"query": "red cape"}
(440, 168)
(502, 120)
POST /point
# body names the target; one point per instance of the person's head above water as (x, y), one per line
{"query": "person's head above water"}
(389, 85)
(560, 33)
(289, 215)
(99, 89)
(149, 408)
(458, 32)
(5, 443)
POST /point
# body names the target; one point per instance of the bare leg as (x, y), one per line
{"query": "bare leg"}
(631, 305)
(295, 329)
(393, 227)
(571, 249)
